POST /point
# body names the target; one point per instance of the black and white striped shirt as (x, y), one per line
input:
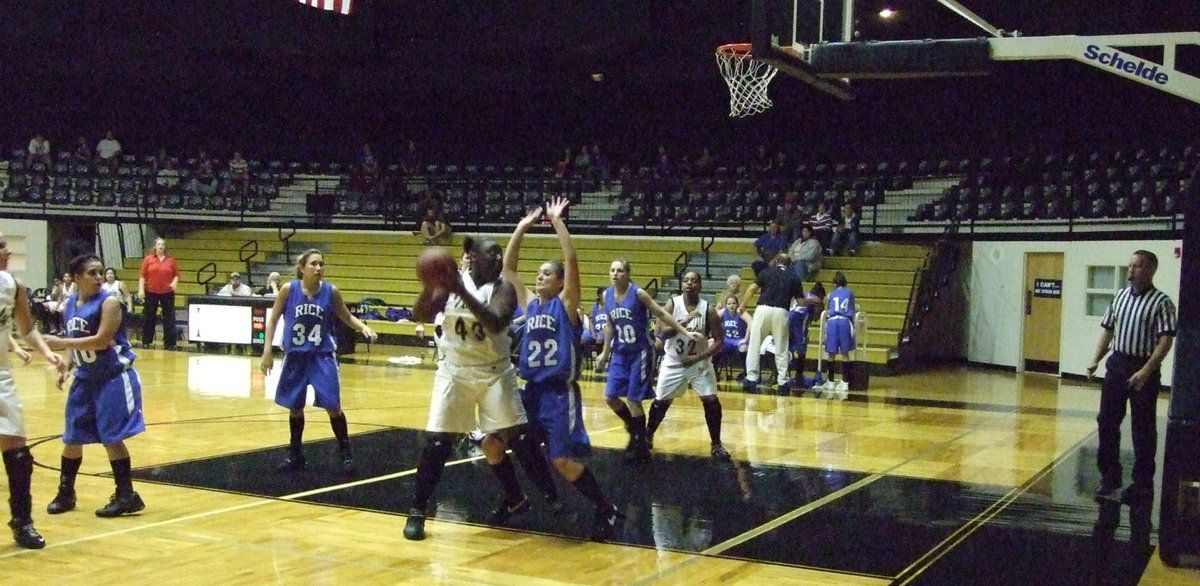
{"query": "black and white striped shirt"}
(1138, 321)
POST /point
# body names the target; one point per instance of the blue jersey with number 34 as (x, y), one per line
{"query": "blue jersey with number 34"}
(308, 321)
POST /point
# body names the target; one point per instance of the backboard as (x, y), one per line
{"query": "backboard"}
(783, 32)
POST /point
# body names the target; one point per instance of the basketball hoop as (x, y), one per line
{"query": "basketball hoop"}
(747, 79)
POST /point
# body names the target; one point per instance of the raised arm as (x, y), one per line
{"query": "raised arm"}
(649, 303)
(571, 287)
(512, 257)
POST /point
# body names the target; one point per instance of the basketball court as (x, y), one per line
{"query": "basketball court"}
(954, 475)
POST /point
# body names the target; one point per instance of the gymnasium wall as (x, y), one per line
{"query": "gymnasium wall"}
(995, 291)
(28, 242)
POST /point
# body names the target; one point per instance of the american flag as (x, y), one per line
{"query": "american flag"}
(342, 6)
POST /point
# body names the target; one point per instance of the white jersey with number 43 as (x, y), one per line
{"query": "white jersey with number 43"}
(465, 341)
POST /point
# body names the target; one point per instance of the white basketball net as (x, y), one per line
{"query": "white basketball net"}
(747, 79)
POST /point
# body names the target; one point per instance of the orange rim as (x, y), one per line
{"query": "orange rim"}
(736, 49)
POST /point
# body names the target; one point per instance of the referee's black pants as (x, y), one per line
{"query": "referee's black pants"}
(1143, 404)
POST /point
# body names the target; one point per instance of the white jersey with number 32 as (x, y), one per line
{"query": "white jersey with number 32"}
(677, 347)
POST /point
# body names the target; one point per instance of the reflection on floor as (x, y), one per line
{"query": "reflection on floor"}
(932, 532)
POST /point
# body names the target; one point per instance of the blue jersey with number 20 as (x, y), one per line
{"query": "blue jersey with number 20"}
(308, 321)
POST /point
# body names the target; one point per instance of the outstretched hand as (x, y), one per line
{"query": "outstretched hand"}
(556, 208)
(530, 218)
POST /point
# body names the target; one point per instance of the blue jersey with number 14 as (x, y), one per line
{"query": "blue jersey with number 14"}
(550, 344)
(841, 303)
(308, 321)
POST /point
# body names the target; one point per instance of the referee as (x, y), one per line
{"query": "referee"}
(779, 286)
(1140, 326)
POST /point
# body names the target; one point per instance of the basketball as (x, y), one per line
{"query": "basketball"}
(436, 268)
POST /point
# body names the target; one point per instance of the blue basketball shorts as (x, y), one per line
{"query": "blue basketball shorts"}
(630, 374)
(301, 369)
(839, 336)
(556, 413)
(104, 411)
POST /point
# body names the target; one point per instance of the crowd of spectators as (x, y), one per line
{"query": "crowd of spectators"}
(658, 186)
(807, 238)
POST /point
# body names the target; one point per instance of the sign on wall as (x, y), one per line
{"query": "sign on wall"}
(1051, 288)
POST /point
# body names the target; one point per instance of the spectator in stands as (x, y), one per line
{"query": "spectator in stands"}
(83, 152)
(239, 172)
(806, 254)
(600, 165)
(168, 177)
(845, 234)
(410, 162)
(434, 229)
(763, 161)
(822, 225)
(117, 289)
(704, 163)
(69, 289)
(160, 159)
(271, 289)
(733, 286)
(781, 169)
(51, 303)
(790, 217)
(368, 164)
(662, 167)
(562, 169)
(684, 167)
(39, 151)
(235, 287)
(156, 287)
(583, 163)
(205, 181)
(108, 151)
(769, 245)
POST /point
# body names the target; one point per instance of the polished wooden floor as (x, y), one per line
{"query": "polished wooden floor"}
(952, 425)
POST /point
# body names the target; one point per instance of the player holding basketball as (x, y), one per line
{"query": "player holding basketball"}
(839, 331)
(18, 462)
(627, 341)
(549, 363)
(309, 305)
(475, 371)
(104, 404)
(685, 363)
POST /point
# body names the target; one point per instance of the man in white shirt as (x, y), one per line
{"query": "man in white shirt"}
(168, 176)
(235, 287)
(39, 150)
(108, 150)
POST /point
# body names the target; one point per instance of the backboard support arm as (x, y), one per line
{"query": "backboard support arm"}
(1099, 52)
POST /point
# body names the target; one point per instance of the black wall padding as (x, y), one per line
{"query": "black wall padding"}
(928, 58)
